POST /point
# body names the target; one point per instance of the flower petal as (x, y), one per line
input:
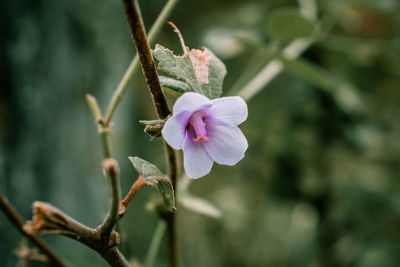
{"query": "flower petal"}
(191, 102)
(226, 143)
(174, 129)
(231, 109)
(196, 161)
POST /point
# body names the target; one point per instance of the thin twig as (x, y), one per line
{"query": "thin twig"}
(111, 168)
(103, 129)
(123, 205)
(184, 47)
(146, 59)
(18, 222)
(172, 160)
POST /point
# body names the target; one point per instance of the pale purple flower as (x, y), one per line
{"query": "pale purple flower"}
(207, 131)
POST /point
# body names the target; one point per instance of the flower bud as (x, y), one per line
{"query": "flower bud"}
(111, 167)
(153, 128)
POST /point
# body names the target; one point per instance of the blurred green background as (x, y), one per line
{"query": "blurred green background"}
(319, 185)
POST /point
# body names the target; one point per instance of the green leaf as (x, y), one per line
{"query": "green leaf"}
(166, 191)
(200, 69)
(179, 67)
(176, 85)
(287, 24)
(154, 177)
(146, 168)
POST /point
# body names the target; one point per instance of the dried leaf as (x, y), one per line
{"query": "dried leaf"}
(153, 128)
(201, 64)
(217, 72)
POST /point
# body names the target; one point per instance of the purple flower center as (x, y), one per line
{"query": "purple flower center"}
(197, 124)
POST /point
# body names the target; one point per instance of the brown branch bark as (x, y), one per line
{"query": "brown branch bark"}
(49, 220)
(146, 59)
(18, 222)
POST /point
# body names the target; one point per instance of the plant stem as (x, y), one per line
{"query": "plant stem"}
(160, 103)
(155, 243)
(48, 219)
(111, 168)
(172, 160)
(133, 66)
(145, 57)
(114, 257)
(123, 205)
(18, 222)
(173, 252)
(103, 129)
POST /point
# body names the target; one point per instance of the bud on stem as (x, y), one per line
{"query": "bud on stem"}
(111, 167)
(153, 128)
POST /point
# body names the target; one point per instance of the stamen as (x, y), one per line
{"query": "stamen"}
(200, 138)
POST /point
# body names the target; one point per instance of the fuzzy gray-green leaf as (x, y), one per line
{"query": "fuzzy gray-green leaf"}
(146, 168)
(166, 191)
(173, 84)
(182, 68)
(153, 176)
(179, 67)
